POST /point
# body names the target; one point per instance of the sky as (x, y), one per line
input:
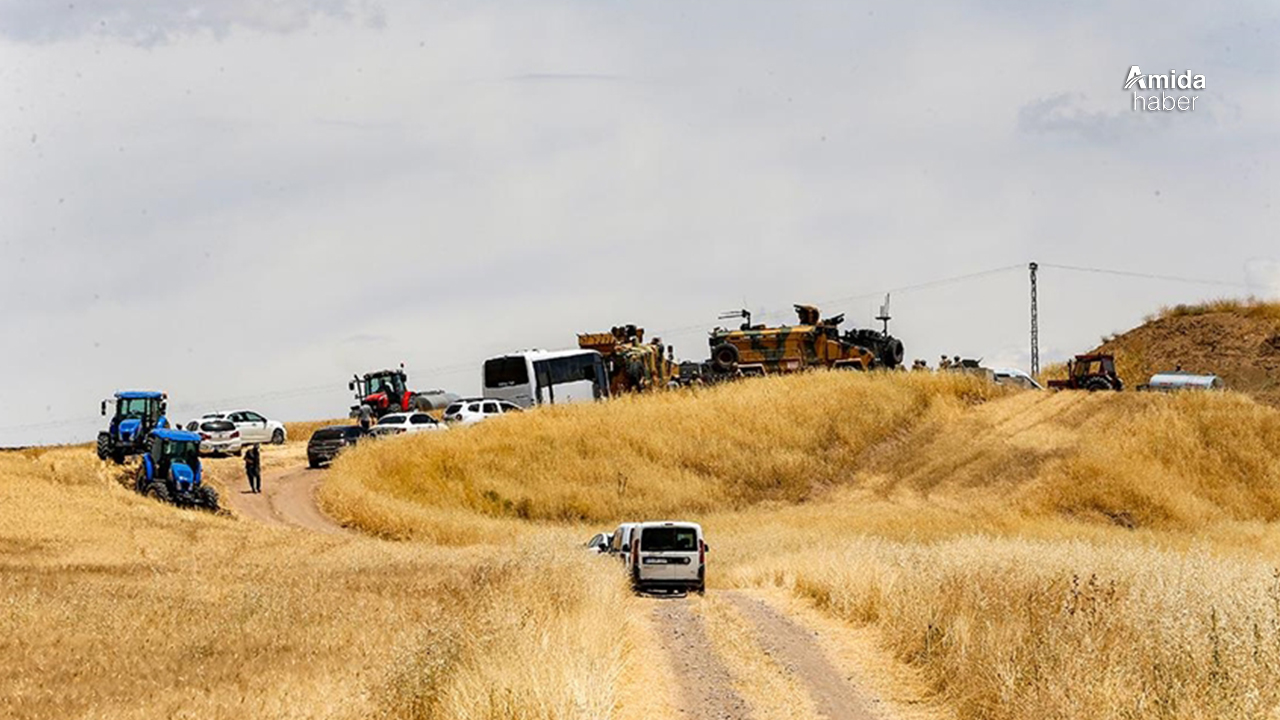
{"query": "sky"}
(244, 203)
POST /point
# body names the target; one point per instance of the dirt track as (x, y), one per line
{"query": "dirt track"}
(711, 685)
(287, 500)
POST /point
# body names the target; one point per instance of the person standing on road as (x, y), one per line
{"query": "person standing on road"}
(253, 468)
(366, 417)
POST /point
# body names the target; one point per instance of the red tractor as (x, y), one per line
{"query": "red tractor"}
(386, 391)
(1090, 372)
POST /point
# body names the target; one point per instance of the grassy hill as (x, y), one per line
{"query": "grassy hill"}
(1238, 340)
(1034, 554)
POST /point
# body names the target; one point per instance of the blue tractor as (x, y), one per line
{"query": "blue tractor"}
(170, 470)
(137, 413)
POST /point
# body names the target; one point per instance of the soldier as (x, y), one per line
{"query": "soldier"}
(956, 362)
(944, 363)
(253, 468)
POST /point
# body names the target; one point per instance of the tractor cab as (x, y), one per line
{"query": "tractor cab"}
(137, 413)
(171, 470)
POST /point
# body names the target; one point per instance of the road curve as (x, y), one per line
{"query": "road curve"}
(288, 499)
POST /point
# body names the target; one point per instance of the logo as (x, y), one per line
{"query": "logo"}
(1162, 102)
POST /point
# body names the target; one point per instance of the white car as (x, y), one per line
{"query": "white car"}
(599, 542)
(405, 422)
(473, 410)
(217, 437)
(1014, 376)
(254, 428)
(668, 556)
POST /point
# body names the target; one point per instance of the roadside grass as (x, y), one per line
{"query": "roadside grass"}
(114, 606)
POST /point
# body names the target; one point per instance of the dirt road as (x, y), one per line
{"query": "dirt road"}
(287, 500)
(776, 667)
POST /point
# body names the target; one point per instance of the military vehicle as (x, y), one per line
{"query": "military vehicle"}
(631, 364)
(813, 343)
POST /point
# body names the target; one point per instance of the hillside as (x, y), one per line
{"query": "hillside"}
(1236, 340)
(987, 554)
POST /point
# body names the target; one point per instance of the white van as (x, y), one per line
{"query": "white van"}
(668, 556)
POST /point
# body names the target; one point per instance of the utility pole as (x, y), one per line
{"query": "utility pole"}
(1035, 325)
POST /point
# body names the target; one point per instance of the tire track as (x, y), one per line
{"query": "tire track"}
(705, 685)
(794, 648)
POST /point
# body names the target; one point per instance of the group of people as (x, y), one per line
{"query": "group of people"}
(945, 363)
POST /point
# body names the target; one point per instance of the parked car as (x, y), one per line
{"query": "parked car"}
(668, 556)
(620, 540)
(217, 437)
(1016, 377)
(410, 422)
(253, 427)
(599, 542)
(327, 442)
(472, 410)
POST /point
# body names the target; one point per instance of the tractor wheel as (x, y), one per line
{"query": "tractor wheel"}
(1095, 384)
(725, 357)
(117, 456)
(207, 498)
(104, 446)
(277, 437)
(141, 482)
(158, 491)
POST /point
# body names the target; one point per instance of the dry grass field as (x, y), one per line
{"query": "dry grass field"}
(1022, 555)
(1065, 555)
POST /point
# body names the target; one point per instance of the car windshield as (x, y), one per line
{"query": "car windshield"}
(453, 409)
(667, 539)
(217, 426)
(392, 420)
(132, 407)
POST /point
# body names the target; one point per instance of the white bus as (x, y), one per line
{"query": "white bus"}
(534, 377)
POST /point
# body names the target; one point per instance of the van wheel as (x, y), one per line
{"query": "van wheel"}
(701, 589)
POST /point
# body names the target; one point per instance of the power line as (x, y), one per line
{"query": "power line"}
(1148, 276)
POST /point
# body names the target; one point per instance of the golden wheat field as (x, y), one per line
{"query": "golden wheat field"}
(1020, 555)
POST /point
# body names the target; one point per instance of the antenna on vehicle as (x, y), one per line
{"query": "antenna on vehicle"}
(730, 314)
(884, 314)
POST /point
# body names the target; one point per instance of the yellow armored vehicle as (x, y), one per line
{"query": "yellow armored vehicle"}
(813, 343)
(632, 364)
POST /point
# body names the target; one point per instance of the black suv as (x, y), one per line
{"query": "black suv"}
(327, 442)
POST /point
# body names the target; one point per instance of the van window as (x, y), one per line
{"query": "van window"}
(669, 539)
(491, 408)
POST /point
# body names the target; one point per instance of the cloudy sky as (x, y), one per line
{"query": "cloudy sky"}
(244, 202)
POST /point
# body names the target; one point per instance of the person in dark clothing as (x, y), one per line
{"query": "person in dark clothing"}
(253, 468)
